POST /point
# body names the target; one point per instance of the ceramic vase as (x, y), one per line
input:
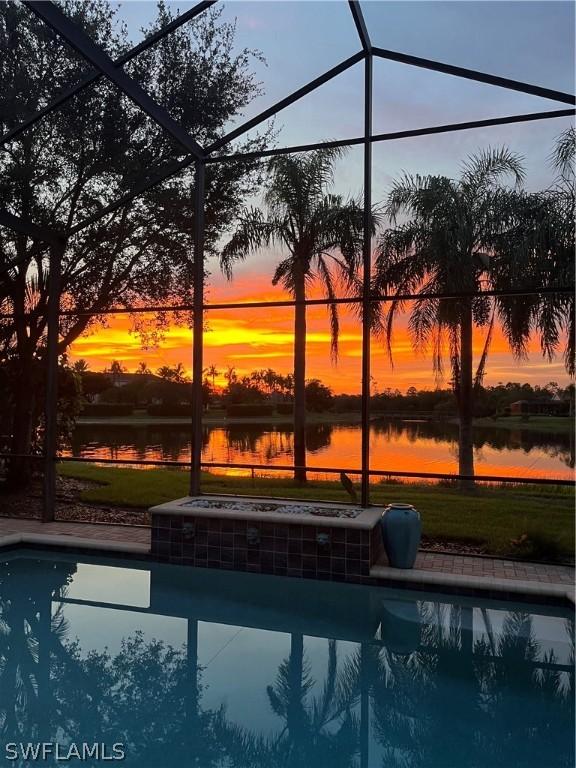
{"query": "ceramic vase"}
(401, 531)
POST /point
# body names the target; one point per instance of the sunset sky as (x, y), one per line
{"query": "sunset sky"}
(530, 41)
(262, 338)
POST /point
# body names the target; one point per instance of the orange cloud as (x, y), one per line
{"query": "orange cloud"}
(247, 338)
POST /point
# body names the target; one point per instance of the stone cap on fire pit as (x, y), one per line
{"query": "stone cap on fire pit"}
(272, 511)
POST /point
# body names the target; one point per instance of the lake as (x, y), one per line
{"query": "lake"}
(395, 446)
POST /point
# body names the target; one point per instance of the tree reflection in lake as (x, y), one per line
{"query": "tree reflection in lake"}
(395, 445)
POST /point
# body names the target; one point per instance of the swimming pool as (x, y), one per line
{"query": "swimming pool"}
(171, 667)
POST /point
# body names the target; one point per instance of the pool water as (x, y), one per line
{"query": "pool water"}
(181, 667)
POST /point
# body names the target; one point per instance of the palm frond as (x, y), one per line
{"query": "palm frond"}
(564, 153)
(252, 233)
(488, 166)
(321, 709)
(327, 281)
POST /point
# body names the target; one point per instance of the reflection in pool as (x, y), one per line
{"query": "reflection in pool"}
(214, 669)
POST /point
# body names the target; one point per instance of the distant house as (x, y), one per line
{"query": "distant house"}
(143, 387)
(123, 379)
(540, 407)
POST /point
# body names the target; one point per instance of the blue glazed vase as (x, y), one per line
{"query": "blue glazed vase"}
(401, 528)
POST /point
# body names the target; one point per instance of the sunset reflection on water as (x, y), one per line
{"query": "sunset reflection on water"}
(394, 447)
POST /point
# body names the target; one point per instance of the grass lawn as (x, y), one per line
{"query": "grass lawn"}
(541, 516)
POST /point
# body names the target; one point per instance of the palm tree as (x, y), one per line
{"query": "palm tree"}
(539, 232)
(143, 369)
(563, 155)
(463, 236)
(468, 684)
(80, 366)
(321, 234)
(175, 374)
(230, 375)
(116, 368)
(213, 372)
(317, 730)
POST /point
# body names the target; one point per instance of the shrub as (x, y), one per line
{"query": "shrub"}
(285, 409)
(245, 410)
(170, 411)
(103, 410)
(536, 545)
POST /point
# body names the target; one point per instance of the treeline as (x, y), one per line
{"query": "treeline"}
(113, 391)
(266, 392)
(489, 401)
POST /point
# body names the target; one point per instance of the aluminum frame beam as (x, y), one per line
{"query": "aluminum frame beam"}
(141, 188)
(545, 291)
(283, 103)
(361, 28)
(51, 399)
(366, 284)
(175, 168)
(472, 74)
(81, 42)
(95, 74)
(198, 330)
(392, 136)
(180, 165)
(321, 470)
(50, 14)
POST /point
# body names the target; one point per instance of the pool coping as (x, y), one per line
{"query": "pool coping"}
(512, 588)
(59, 540)
(366, 519)
(416, 579)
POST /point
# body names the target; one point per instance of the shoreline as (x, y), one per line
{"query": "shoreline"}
(219, 420)
(561, 425)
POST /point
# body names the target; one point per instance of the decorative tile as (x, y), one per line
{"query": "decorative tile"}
(321, 552)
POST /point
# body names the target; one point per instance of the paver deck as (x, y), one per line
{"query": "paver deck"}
(429, 565)
(97, 532)
(494, 568)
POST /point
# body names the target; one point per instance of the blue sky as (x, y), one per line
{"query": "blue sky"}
(525, 40)
(531, 41)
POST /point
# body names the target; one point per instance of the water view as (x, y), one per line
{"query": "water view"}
(409, 446)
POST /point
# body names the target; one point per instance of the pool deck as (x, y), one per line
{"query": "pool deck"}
(433, 570)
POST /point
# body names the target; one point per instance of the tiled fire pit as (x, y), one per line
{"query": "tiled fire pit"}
(288, 538)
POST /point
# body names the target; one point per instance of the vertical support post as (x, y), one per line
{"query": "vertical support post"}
(198, 329)
(51, 399)
(43, 665)
(467, 632)
(364, 708)
(366, 282)
(192, 681)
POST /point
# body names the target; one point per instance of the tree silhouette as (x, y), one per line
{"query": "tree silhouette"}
(464, 236)
(318, 730)
(213, 372)
(321, 236)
